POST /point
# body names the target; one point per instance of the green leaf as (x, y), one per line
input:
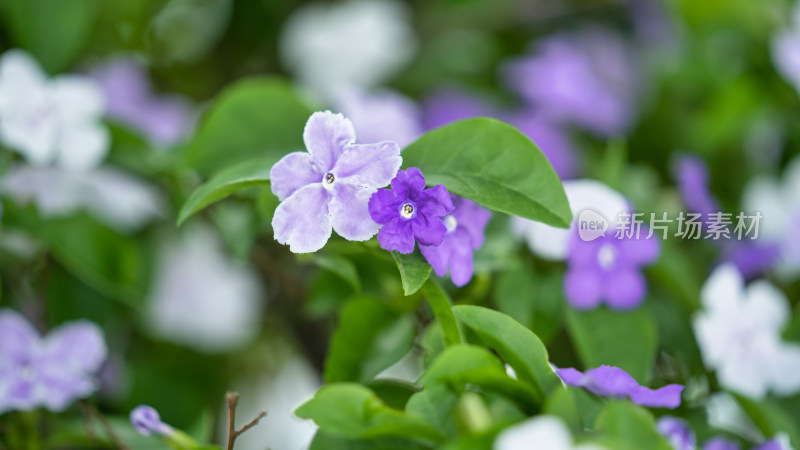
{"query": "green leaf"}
(771, 418)
(625, 426)
(414, 271)
(627, 340)
(495, 165)
(443, 311)
(436, 403)
(228, 181)
(328, 441)
(259, 116)
(358, 350)
(54, 31)
(339, 265)
(353, 411)
(477, 366)
(517, 345)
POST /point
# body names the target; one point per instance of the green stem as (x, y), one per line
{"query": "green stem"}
(442, 310)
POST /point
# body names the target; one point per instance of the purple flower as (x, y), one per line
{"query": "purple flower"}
(146, 421)
(449, 105)
(677, 432)
(52, 371)
(551, 138)
(409, 211)
(780, 442)
(720, 443)
(329, 186)
(693, 185)
(164, 119)
(464, 235)
(607, 269)
(587, 78)
(609, 381)
(381, 116)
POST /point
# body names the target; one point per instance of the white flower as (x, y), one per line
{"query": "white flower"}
(51, 122)
(550, 242)
(280, 394)
(356, 43)
(545, 432)
(201, 298)
(779, 205)
(786, 50)
(114, 197)
(739, 334)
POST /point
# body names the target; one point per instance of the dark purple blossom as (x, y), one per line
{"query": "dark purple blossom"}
(146, 421)
(52, 371)
(677, 432)
(720, 443)
(608, 269)
(328, 187)
(464, 235)
(609, 381)
(409, 212)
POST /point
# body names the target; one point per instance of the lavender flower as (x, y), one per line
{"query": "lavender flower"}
(449, 105)
(609, 381)
(329, 186)
(52, 371)
(409, 211)
(607, 269)
(146, 421)
(551, 138)
(720, 443)
(382, 115)
(677, 432)
(586, 78)
(464, 235)
(779, 442)
(164, 119)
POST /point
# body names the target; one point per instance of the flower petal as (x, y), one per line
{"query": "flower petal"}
(668, 396)
(624, 288)
(78, 347)
(397, 236)
(18, 338)
(302, 221)
(384, 206)
(326, 137)
(77, 100)
(428, 230)
(369, 165)
(436, 201)
(571, 376)
(350, 213)
(291, 173)
(471, 218)
(461, 263)
(438, 256)
(610, 381)
(82, 147)
(408, 183)
(582, 288)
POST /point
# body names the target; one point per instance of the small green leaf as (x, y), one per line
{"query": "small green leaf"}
(443, 311)
(353, 411)
(627, 340)
(228, 181)
(339, 265)
(626, 426)
(517, 345)
(259, 116)
(436, 403)
(495, 165)
(414, 271)
(357, 351)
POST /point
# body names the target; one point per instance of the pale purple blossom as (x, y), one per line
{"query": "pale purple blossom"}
(610, 381)
(410, 213)
(165, 119)
(146, 420)
(464, 235)
(449, 105)
(382, 115)
(50, 371)
(720, 443)
(677, 432)
(587, 78)
(608, 269)
(328, 187)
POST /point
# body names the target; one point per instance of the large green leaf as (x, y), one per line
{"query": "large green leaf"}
(414, 271)
(353, 411)
(493, 164)
(239, 176)
(255, 117)
(54, 31)
(627, 340)
(368, 339)
(517, 345)
(625, 426)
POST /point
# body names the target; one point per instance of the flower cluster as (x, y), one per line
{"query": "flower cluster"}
(335, 186)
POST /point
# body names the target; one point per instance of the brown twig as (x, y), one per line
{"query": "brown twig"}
(233, 400)
(106, 426)
(87, 423)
